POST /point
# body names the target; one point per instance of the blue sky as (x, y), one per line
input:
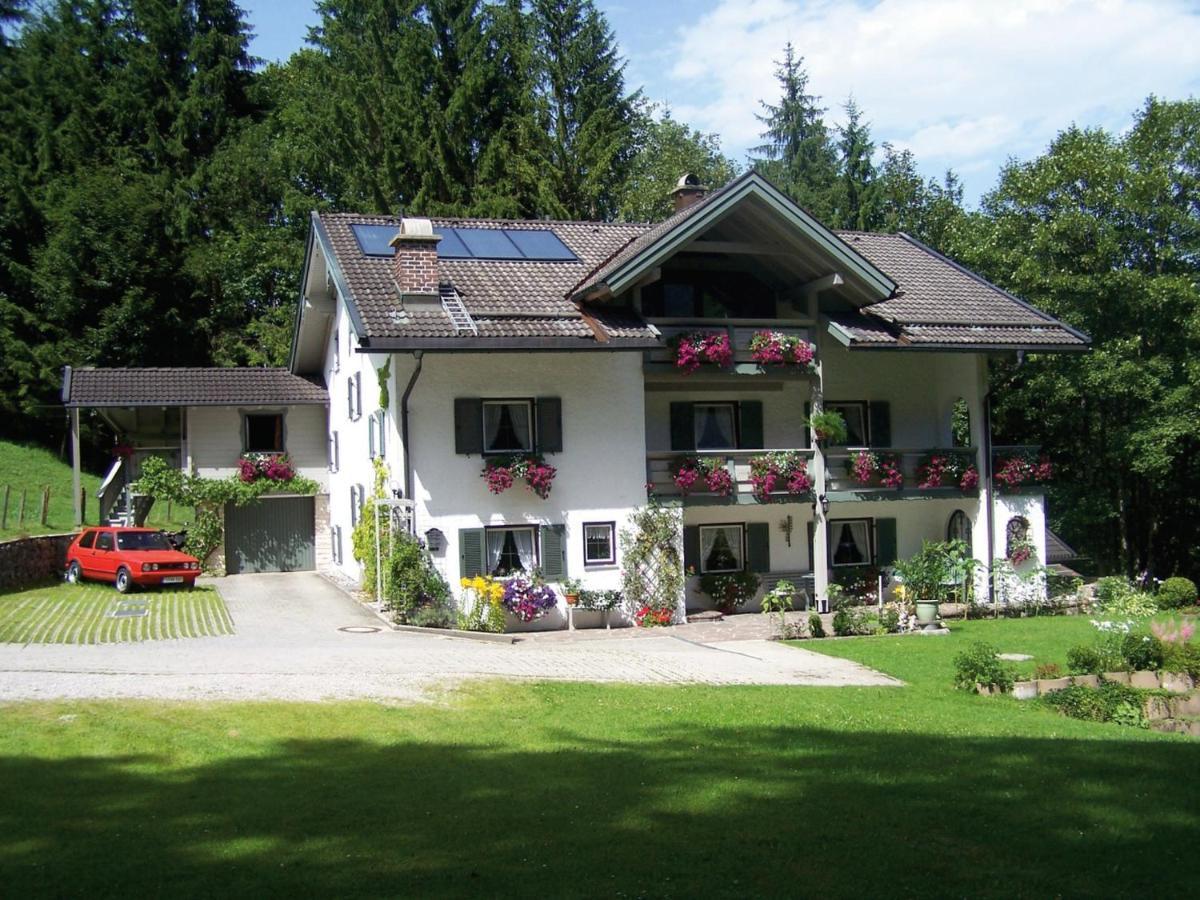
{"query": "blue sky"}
(962, 84)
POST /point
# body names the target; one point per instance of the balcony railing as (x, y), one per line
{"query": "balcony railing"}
(895, 468)
(661, 467)
(1017, 466)
(662, 360)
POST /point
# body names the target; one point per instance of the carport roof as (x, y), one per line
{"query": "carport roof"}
(188, 386)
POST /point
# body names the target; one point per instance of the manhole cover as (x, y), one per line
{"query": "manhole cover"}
(359, 629)
(130, 609)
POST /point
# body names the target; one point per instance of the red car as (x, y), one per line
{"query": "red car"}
(129, 557)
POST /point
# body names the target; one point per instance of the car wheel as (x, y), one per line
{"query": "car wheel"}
(74, 572)
(124, 581)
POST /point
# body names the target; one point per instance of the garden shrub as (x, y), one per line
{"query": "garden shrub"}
(1175, 593)
(1047, 671)
(849, 619)
(1111, 702)
(1089, 659)
(815, 627)
(889, 619)
(980, 664)
(432, 617)
(1116, 598)
(410, 582)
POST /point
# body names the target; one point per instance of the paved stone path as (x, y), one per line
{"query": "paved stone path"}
(288, 646)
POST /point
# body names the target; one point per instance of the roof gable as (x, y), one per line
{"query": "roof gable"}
(646, 251)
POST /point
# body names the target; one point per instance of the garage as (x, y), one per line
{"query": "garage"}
(275, 534)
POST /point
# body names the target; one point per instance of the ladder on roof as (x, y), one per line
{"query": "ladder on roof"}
(453, 305)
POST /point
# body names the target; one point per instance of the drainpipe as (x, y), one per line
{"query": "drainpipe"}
(419, 356)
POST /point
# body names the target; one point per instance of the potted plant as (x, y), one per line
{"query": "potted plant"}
(828, 426)
(698, 348)
(785, 470)
(925, 577)
(775, 348)
(571, 589)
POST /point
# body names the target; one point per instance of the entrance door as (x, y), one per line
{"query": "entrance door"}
(275, 534)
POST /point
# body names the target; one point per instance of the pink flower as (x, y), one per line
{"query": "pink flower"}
(719, 481)
(703, 347)
(499, 478)
(970, 479)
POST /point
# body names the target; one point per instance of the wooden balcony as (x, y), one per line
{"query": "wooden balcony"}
(842, 484)
(660, 467)
(660, 363)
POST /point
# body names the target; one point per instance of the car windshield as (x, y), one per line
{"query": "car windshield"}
(142, 540)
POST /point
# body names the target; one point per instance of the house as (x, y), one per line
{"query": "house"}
(446, 344)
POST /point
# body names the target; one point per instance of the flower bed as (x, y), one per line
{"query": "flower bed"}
(1021, 470)
(271, 466)
(785, 471)
(773, 348)
(708, 471)
(502, 473)
(698, 348)
(947, 468)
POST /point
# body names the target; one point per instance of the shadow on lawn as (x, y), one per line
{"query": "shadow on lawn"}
(694, 812)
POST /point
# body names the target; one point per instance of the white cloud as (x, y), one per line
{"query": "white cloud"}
(963, 84)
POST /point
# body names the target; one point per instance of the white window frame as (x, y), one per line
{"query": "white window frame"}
(697, 426)
(741, 547)
(611, 528)
(831, 545)
(529, 406)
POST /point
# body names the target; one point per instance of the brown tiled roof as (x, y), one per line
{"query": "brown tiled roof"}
(936, 302)
(188, 387)
(506, 298)
(939, 302)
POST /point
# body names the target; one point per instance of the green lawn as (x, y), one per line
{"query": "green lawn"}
(565, 790)
(82, 614)
(32, 469)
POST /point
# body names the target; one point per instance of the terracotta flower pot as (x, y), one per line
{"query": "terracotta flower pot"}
(572, 599)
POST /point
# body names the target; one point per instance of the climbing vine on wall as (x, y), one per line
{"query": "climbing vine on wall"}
(652, 573)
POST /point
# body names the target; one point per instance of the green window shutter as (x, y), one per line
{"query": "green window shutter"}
(554, 552)
(750, 424)
(758, 547)
(807, 430)
(683, 426)
(468, 425)
(880, 419)
(691, 547)
(885, 542)
(470, 552)
(549, 424)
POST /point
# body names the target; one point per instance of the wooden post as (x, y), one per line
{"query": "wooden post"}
(45, 504)
(4, 508)
(82, 505)
(21, 508)
(76, 487)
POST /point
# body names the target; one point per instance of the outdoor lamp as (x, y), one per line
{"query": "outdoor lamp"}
(824, 504)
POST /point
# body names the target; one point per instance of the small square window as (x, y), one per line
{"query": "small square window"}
(507, 426)
(716, 426)
(599, 543)
(264, 433)
(722, 548)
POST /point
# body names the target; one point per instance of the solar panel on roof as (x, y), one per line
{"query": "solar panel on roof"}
(539, 244)
(489, 243)
(374, 240)
(451, 245)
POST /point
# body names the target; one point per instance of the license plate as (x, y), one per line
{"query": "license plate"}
(173, 579)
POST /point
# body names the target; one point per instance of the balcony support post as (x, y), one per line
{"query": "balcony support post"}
(820, 544)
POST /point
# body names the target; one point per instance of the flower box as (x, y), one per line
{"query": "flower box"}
(1022, 469)
(786, 471)
(773, 348)
(699, 348)
(947, 468)
(703, 473)
(868, 468)
(503, 472)
(271, 466)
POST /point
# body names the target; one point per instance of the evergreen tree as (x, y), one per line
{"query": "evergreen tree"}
(857, 206)
(797, 153)
(588, 114)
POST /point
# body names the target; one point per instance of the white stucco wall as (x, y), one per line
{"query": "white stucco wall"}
(214, 439)
(601, 471)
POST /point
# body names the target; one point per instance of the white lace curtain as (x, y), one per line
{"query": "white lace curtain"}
(852, 545)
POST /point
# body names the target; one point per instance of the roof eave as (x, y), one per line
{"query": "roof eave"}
(508, 344)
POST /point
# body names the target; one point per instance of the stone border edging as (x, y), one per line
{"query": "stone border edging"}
(1173, 682)
(487, 636)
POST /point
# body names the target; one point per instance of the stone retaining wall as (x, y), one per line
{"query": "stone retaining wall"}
(28, 561)
(1173, 682)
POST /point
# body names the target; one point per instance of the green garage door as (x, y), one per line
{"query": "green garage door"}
(273, 535)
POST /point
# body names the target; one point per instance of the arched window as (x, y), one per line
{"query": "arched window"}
(959, 528)
(1018, 547)
(960, 424)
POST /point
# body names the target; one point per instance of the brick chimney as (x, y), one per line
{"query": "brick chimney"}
(415, 264)
(688, 190)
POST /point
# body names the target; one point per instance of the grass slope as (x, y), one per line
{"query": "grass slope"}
(29, 468)
(81, 614)
(568, 790)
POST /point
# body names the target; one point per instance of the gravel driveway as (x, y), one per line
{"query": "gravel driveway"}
(288, 646)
